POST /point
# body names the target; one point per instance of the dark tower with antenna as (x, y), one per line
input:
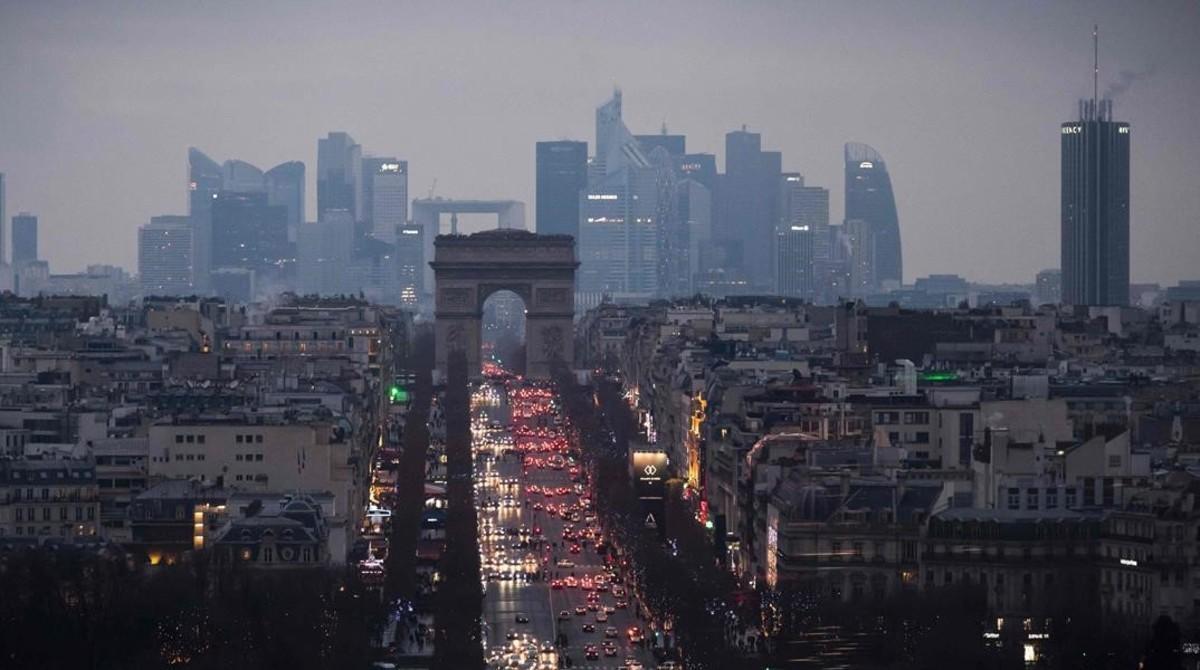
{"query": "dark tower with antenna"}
(1095, 201)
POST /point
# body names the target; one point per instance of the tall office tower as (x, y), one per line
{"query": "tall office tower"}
(324, 254)
(1095, 207)
(285, 188)
(24, 238)
(749, 204)
(205, 178)
(672, 248)
(1048, 286)
(2, 219)
(385, 196)
(694, 210)
(241, 177)
(165, 253)
(802, 237)
(869, 198)
(410, 264)
(862, 256)
(339, 175)
(618, 227)
(248, 233)
(562, 171)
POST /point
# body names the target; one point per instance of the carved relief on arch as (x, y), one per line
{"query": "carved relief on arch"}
(454, 298)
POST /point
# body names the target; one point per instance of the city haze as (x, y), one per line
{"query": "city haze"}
(964, 100)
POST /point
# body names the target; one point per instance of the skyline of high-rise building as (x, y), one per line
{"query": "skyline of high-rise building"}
(561, 174)
(24, 238)
(205, 179)
(870, 199)
(339, 175)
(1095, 207)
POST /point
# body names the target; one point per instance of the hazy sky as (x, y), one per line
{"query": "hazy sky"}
(100, 100)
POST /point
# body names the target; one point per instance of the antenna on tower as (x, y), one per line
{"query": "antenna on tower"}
(1095, 65)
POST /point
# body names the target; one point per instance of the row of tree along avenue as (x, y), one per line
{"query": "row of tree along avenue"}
(458, 642)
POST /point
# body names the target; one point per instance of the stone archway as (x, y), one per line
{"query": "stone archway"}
(538, 268)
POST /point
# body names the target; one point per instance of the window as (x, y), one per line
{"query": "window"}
(78, 513)
(45, 494)
(191, 457)
(179, 457)
(1031, 499)
(45, 514)
(258, 457)
(258, 439)
(836, 550)
(1071, 497)
(916, 417)
(1089, 491)
(1014, 498)
(921, 437)
(1114, 460)
(858, 549)
(62, 513)
(237, 457)
(268, 554)
(191, 439)
(200, 457)
(200, 438)
(239, 438)
(178, 439)
(20, 514)
(1051, 498)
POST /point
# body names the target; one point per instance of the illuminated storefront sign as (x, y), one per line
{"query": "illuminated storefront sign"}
(649, 473)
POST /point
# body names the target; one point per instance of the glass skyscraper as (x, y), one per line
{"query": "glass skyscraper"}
(869, 199)
(339, 175)
(385, 196)
(561, 175)
(24, 238)
(285, 188)
(1095, 207)
(205, 179)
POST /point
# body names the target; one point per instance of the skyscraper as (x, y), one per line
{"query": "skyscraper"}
(285, 187)
(561, 175)
(749, 204)
(385, 196)
(339, 175)
(248, 233)
(869, 199)
(1095, 207)
(24, 238)
(165, 254)
(862, 248)
(410, 264)
(802, 239)
(618, 227)
(205, 178)
(2, 219)
(695, 213)
(324, 253)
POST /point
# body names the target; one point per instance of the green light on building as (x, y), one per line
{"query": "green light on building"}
(398, 395)
(939, 376)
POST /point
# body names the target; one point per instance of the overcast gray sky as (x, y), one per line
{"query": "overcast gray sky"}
(100, 100)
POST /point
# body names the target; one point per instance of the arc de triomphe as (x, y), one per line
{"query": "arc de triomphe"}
(538, 268)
